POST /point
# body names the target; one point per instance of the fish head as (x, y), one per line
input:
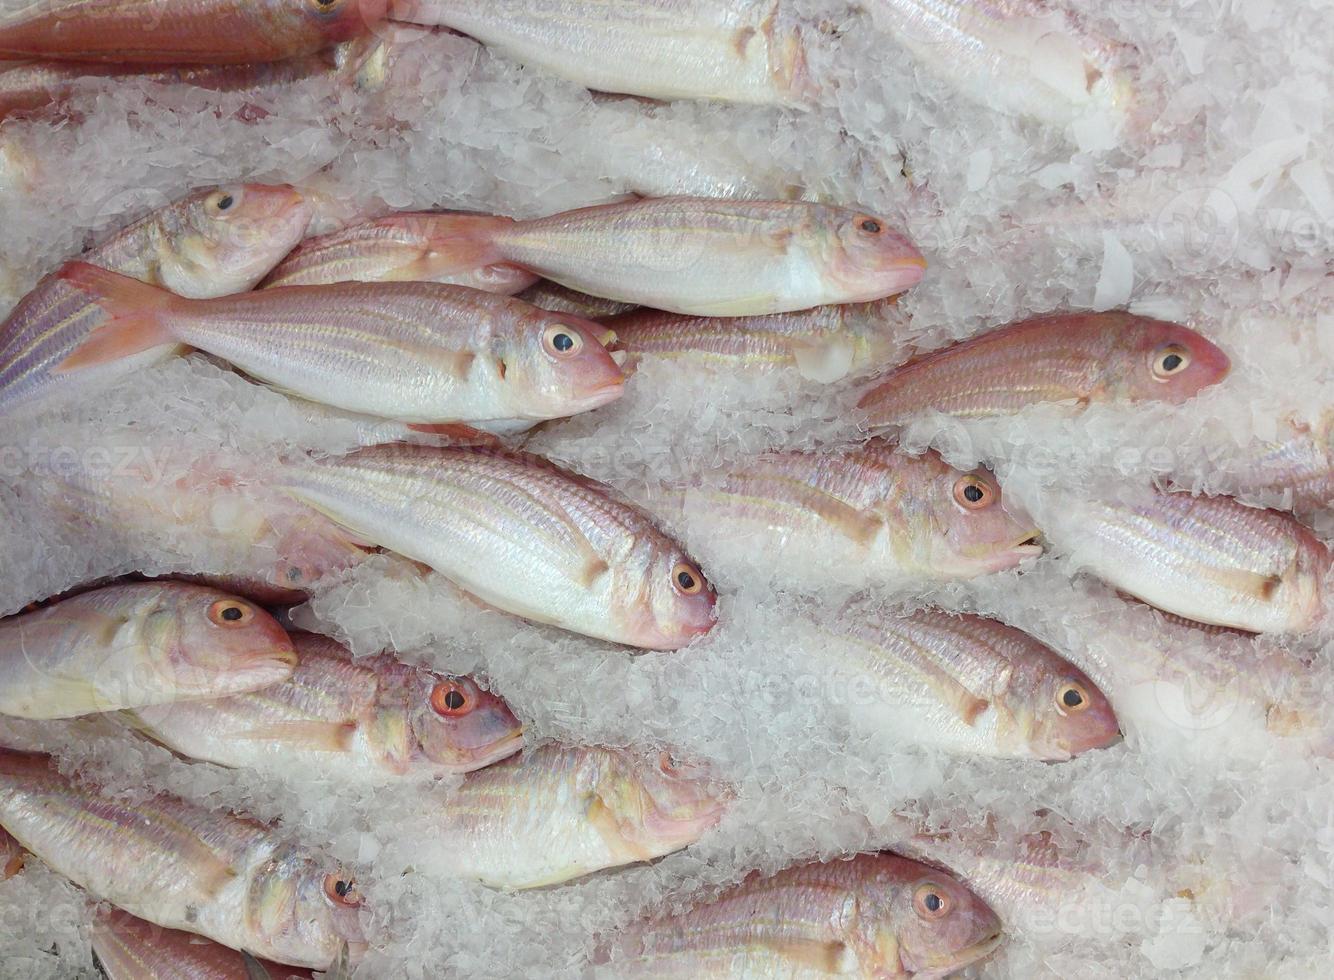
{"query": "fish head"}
(659, 804)
(224, 644)
(1164, 362)
(557, 364)
(231, 237)
(973, 531)
(1066, 712)
(926, 923)
(866, 258)
(343, 20)
(680, 600)
(300, 909)
(460, 726)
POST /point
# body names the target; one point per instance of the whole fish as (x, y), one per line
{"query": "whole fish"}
(1029, 57)
(558, 812)
(180, 866)
(731, 50)
(967, 684)
(520, 534)
(824, 344)
(125, 646)
(1209, 559)
(558, 299)
(214, 516)
(371, 718)
(128, 948)
(413, 351)
(704, 256)
(212, 243)
(186, 32)
(1081, 358)
(874, 512)
(396, 248)
(874, 916)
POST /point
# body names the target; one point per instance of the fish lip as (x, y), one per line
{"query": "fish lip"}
(963, 958)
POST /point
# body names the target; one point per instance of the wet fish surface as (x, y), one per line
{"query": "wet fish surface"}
(365, 719)
(556, 812)
(180, 866)
(413, 351)
(127, 646)
(871, 916)
(744, 51)
(1080, 358)
(211, 243)
(521, 535)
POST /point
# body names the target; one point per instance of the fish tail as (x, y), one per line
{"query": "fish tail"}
(464, 242)
(133, 322)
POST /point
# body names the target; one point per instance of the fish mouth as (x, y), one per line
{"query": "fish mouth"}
(501, 749)
(904, 274)
(1027, 546)
(956, 961)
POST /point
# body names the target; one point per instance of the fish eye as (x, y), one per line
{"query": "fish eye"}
(450, 699)
(220, 202)
(325, 6)
(930, 901)
(1072, 698)
(562, 341)
(231, 613)
(667, 764)
(870, 226)
(687, 579)
(1169, 360)
(342, 891)
(974, 493)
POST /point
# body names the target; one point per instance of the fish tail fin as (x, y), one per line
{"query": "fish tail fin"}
(465, 242)
(133, 321)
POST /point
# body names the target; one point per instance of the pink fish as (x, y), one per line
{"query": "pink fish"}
(1080, 358)
(186, 32)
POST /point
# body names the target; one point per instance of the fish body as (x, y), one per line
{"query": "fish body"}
(414, 351)
(395, 248)
(212, 243)
(128, 948)
(731, 50)
(874, 512)
(1079, 358)
(873, 916)
(824, 344)
(1028, 57)
(127, 646)
(968, 684)
(1209, 559)
(696, 255)
(367, 719)
(11, 856)
(185, 32)
(558, 812)
(182, 867)
(519, 534)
